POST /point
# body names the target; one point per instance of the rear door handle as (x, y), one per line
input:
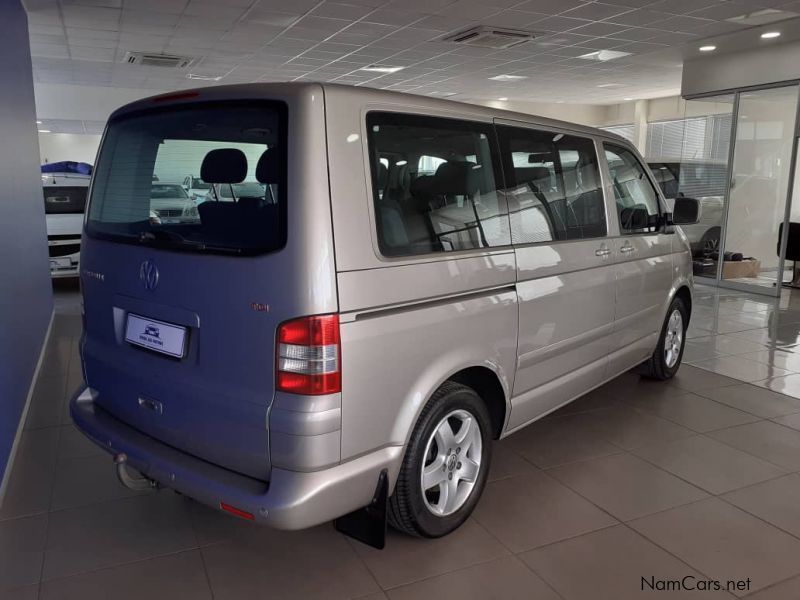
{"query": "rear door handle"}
(626, 249)
(602, 252)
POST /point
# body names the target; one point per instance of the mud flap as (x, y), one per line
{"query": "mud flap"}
(368, 524)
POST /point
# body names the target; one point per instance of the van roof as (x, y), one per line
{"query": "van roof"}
(297, 89)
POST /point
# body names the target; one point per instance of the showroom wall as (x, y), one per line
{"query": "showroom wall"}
(25, 294)
(80, 147)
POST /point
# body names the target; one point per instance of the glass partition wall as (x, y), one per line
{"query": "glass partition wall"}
(736, 157)
(759, 184)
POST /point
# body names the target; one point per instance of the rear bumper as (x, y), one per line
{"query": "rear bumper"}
(291, 499)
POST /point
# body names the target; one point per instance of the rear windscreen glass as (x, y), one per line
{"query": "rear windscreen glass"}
(64, 200)
(140, 195)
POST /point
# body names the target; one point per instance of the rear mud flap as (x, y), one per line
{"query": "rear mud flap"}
(368, 524)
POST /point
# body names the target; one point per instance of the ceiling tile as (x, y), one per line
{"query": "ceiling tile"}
(599, 29)
(597, 11)
(549, 7)
(337, 10)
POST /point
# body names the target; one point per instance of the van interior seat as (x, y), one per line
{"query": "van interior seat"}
(249, 216)
(457, 178)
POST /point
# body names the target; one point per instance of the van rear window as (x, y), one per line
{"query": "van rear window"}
(64, 200)
(140, 193)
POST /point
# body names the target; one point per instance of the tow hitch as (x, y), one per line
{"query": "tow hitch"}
(138, 484)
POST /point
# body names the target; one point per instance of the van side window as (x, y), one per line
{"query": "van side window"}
(635, 196)
(552, 185)
(434, 185)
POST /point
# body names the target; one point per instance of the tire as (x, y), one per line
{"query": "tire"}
(665, 362)
(429, 513)
(710, 240)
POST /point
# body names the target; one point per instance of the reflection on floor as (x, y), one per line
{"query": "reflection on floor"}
(697, 477)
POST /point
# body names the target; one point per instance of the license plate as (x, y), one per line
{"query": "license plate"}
(156, 335)
(60, 263)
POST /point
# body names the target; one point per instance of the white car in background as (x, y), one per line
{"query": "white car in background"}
(171, 203)
(64, 205)
(225, 192)
(196, 188)
(705, 182)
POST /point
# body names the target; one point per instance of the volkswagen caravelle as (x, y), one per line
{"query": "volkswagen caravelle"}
(412, 279)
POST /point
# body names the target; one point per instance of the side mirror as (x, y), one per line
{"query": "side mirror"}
(685, 211)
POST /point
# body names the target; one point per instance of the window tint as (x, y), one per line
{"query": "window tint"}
(239, 147)
(635, 196)
(434, 185)
(552, 186)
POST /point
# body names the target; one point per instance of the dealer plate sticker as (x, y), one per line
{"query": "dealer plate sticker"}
(156, 335)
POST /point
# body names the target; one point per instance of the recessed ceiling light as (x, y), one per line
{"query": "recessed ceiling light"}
(44, 131)
(611, 85)
(502, 99)
(38, 122)
(604, 55)
(627, 99)
(559, 102)
(708, 48)
(442, 94)
(381, 69)
(508, 77)
(203, 77)
(768, 35)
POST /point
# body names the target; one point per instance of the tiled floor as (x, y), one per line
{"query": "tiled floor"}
(697, 477)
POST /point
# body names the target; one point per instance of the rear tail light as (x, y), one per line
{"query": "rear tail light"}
(309, 356)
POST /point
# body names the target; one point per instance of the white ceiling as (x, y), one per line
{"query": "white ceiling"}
(83, 42)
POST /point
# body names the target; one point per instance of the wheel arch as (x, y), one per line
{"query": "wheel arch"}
(487, 385)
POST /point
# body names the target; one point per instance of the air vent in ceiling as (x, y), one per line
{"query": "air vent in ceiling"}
(490, 37)
(147, 59)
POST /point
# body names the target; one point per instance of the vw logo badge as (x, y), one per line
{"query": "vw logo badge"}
(148, 275)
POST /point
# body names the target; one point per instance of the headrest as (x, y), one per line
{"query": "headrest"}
(224, 165)
(270, 167)
(456, 178)
(383, 175)
(421, 185)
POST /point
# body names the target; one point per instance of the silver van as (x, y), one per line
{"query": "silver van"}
(412, 279)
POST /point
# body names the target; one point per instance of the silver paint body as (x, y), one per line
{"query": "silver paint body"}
(551, 321)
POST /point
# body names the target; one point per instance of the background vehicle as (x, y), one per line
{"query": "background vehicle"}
(65, 186)
(251, 189)
(171, 203)
(704, 181)
(196, 188)
(401, 286)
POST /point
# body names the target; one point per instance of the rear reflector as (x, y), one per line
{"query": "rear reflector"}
(309, 356)
(236, 511)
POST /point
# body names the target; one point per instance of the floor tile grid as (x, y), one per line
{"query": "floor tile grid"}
(619, 522)
(354, 543)
(625, 523)
(654, 542)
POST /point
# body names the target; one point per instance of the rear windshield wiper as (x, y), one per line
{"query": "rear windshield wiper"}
(176, 240)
